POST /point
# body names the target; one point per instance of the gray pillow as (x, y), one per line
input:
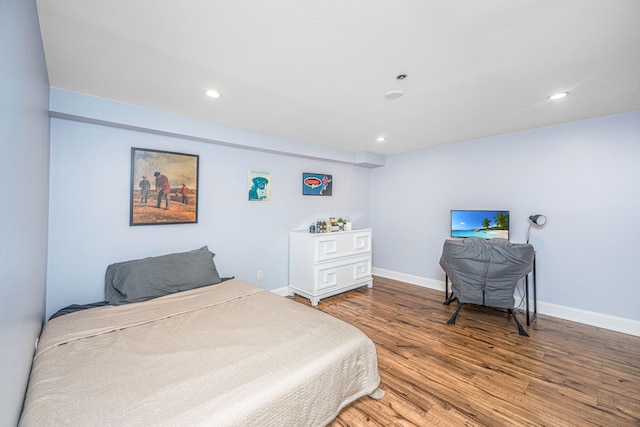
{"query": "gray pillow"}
(143, 279)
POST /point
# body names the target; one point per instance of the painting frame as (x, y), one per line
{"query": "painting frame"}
(153, 172)
(259, 185)
(317, 184)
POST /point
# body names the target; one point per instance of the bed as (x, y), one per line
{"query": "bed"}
(228, 354)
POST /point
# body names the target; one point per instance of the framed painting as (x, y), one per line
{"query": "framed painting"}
(164, 187)
(259, 185)
(316, 184)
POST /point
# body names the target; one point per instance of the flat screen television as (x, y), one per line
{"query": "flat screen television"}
(483, 223)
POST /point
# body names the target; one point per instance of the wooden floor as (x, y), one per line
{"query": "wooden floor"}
(480, 372)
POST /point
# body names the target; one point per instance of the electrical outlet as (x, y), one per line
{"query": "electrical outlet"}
(259, 274)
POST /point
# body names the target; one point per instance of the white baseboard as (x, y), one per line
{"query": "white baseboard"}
(438, 285)
(592, 318)
(283, 291)
(601, 320)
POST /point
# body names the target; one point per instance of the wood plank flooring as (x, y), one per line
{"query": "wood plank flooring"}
(480, 372)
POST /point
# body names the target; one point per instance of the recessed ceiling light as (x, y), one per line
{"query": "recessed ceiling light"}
(558, 95)
(212, 93)
(393, 94)
(381, 139)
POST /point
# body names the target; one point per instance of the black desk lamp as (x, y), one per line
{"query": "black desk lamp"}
(538, 220)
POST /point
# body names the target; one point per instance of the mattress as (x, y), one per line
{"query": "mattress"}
(231, 354)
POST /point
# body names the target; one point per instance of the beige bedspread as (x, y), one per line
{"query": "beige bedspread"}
(226, 355)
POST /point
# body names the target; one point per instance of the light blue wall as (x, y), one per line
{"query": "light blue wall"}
(24, 174)
(89, 209)
(584, 176)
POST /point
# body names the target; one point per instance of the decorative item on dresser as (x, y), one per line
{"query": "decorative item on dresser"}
(326, 264)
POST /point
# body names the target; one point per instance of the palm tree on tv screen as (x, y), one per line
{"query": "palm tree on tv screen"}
(502, 221)
(486, 223)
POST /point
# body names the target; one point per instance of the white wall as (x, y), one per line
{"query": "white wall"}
(24, 174)
(584, 176)
(89, 208)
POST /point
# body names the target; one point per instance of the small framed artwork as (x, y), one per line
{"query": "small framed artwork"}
(259, 185)
(164, 187)
(316, 184)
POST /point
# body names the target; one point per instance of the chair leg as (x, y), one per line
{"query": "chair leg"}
(448, 300)
(452, 321)
(520, 328)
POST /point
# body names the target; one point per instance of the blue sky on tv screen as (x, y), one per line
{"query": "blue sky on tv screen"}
(469, 220)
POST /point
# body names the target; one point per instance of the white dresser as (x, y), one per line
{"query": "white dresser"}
(326, 264)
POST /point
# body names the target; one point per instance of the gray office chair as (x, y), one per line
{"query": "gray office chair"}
(485, 272)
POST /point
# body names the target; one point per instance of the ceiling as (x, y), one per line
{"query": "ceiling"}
(318, 71)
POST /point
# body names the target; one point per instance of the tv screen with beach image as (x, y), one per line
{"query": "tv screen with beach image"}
(482, 223)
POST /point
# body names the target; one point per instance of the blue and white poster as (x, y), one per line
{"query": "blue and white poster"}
(316, 184)
(259, 185)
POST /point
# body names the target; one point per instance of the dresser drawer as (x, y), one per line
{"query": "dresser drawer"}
(337, 245)
(341, 273)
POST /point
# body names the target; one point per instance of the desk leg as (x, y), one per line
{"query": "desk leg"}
(531, 318)
(535, 294)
